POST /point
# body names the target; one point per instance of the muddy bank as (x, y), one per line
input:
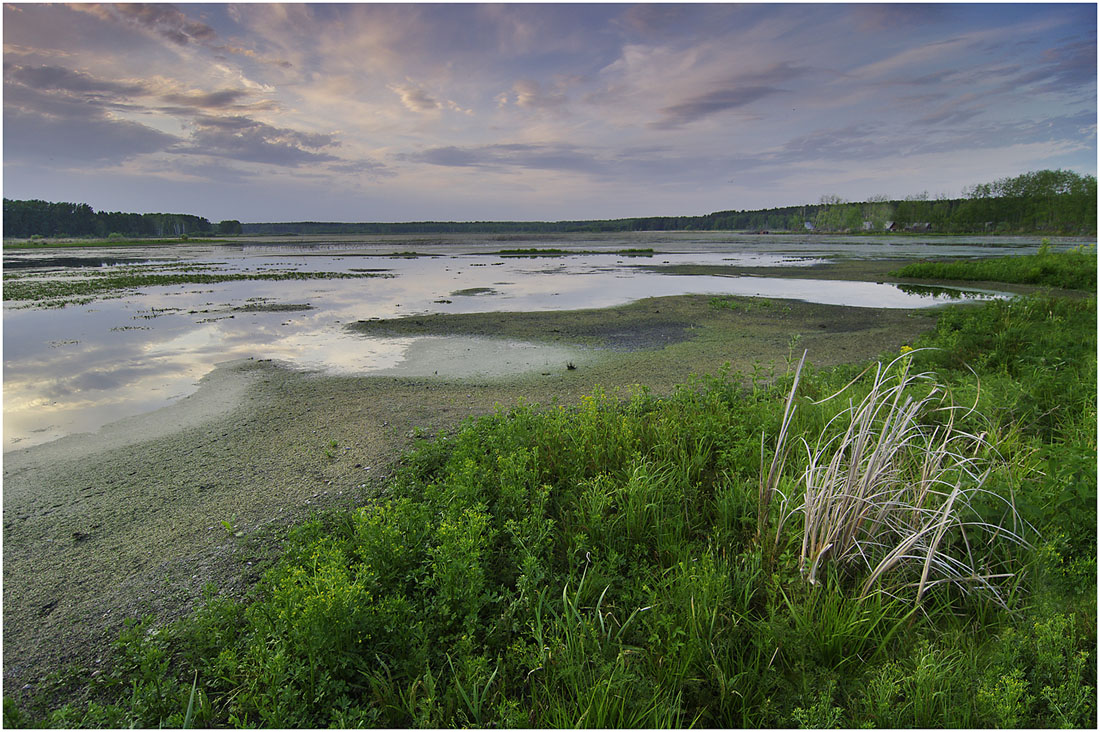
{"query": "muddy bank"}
(129, 521)
(677, 335)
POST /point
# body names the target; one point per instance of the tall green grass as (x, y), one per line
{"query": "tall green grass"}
(1075, 269)
(612, 565)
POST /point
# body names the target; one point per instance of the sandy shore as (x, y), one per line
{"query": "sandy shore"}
(129, 521)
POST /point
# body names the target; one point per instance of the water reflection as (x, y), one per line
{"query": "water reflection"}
(944, 292)
(76, 368)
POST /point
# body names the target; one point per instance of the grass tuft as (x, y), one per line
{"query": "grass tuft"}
(889, 486)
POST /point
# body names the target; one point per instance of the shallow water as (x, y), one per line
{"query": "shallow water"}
(76, 368)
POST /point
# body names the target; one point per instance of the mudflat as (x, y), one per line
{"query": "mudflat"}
(137, 518)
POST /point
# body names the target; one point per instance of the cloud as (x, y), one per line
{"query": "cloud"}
(650, 19)
(949, 114)
(247, 140)
(208, 100)
(200, 169)
(166, 22)
(906, 60)
(64, 93)
(896, 17)
(852, 142)
(69, 116)
(1068, 68)
(366, 168)
(530, 94)
(160, 19)
(56, 78)
(66, 141)
(551, 156)
(1073, 131)
(60, 87)
(669, 166)
(415, 98)
(704, 105)
(735, 92)
(63, 118)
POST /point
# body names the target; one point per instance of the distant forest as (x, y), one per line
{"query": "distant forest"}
(1045, 201)
(25, 219)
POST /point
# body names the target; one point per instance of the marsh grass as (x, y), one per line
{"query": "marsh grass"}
(106, 243)
(534, 253)
(53, 289)
(1074, 269)
(889, 489)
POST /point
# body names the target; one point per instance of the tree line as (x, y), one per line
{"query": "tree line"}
(23, 219)
(1045, 201)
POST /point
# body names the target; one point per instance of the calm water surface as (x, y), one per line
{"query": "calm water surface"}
(76, 368)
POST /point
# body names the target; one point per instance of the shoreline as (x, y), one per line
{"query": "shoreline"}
(129, 521)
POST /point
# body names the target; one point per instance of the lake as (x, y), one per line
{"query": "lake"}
(75, 368)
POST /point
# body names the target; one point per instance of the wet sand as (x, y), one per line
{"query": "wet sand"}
(129, 521)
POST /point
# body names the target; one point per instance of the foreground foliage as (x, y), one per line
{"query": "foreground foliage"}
(613, 565)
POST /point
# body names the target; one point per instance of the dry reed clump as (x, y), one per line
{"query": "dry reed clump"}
(890, 490)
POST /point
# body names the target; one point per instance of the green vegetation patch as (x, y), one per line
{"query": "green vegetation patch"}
(98, 243)
(396, 255)
(612, 564)
(474, 292)
(1075, 270)
(272, 307)
(49, 291)
(550, 252)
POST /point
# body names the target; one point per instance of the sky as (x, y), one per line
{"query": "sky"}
(414, 112)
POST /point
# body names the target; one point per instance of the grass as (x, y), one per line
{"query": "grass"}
(59, 291)
(1075, 269)
(551, 252)
(635, 561)
(69, 243)
(474, 291)
(889, 483)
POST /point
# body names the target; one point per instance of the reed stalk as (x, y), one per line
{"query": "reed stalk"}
(889, 490)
